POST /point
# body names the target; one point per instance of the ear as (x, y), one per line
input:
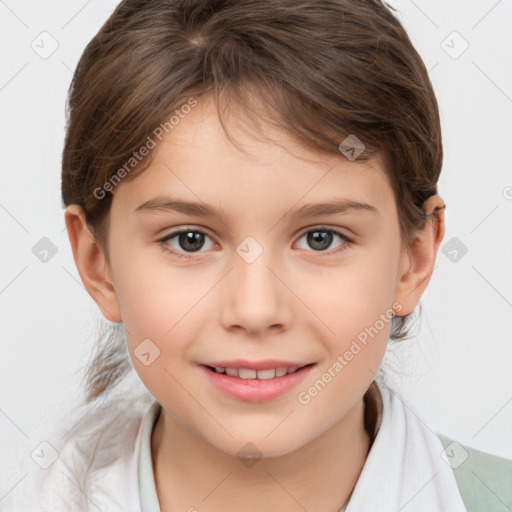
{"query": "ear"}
(91, 263)
(418, 260)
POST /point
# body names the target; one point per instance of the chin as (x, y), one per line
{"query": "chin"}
(251, 448)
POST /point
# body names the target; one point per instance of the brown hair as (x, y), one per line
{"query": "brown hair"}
(319, 69)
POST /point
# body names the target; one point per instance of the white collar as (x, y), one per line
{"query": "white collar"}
(403, 471)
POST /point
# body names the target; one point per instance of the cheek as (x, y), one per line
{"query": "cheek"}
(164, 308)
(152, 295)
(353, 296)
(354, 304)
(157, 308)
(357, 310)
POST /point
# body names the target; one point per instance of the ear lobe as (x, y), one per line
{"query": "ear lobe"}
(91, 263)
(419, 259)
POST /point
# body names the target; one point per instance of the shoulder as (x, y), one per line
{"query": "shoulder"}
(89, 458)
(484, 480)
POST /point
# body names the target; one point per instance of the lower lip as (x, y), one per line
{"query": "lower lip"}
(254, 390)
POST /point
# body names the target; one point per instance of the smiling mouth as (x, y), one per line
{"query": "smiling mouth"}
(248, 373)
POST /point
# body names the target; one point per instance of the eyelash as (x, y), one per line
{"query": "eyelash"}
(188, 256)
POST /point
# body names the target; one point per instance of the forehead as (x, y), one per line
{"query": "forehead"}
(197, 162)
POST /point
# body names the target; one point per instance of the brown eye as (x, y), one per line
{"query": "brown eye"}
(190, 240)
(185, 242)
(321, 239)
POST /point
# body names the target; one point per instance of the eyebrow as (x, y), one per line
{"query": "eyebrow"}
(199, 209)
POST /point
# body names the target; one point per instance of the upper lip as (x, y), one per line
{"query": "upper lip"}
(267, 364)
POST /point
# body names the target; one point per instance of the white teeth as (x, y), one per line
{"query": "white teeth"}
(281, 371)
(247, 373)
(266, 374)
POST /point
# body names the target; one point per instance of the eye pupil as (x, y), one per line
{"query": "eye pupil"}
(188, 240)
(323, 238)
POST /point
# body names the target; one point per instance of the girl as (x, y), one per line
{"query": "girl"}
(251, 200)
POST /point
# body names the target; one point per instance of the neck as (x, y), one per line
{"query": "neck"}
(318, 476)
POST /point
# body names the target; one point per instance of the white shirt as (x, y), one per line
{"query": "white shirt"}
(105, 463)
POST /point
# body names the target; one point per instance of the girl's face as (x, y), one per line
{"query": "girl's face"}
(264, 279)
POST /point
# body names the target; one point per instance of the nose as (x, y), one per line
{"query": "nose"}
(254, 297)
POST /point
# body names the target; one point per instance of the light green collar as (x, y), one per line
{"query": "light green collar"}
(147, 489)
